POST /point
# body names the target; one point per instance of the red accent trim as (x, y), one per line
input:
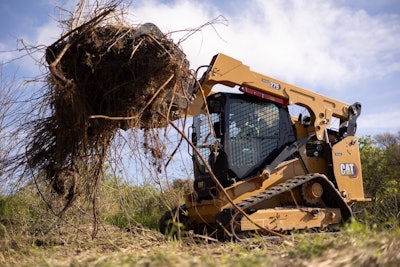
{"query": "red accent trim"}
(265, 96)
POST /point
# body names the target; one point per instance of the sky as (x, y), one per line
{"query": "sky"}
(347, 50)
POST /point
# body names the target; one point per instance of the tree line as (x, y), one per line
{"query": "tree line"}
(380, 161)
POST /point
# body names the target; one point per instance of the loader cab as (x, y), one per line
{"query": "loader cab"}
(240, 137)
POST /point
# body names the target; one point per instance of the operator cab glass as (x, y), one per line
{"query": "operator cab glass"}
(242, 135)
(253, 134)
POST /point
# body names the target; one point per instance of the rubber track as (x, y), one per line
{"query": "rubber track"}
(331, 198)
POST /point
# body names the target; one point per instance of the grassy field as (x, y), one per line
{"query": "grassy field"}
(30, 235)
(73, 246)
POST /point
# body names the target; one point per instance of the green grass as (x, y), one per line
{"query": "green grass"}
(355, 246)
(30, 235)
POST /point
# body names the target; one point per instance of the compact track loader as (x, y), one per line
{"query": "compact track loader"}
(258, 168)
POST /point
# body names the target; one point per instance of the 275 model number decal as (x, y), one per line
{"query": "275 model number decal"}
(273, 85)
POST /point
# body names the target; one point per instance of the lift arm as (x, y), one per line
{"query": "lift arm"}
(228, 71)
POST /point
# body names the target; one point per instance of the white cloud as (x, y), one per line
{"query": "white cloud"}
(375, 123)
(182, 15)
(5, 54)
(48, 33)
(313, 43)
(339, 51)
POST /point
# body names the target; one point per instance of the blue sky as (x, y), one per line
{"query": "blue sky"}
(349, 50)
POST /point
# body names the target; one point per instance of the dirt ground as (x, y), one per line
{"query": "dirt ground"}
(141, 247)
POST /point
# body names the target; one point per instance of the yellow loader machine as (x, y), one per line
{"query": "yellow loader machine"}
(258, 168)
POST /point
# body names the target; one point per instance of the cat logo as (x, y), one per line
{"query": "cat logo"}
(348, 169)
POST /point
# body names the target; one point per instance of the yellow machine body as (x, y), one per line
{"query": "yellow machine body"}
(311, 188)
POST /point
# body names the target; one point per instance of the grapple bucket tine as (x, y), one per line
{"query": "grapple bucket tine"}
(149, 29)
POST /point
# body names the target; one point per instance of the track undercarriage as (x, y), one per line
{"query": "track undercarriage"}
(308, 202)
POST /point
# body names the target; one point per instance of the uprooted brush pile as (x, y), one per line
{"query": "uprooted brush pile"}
(103, 77)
